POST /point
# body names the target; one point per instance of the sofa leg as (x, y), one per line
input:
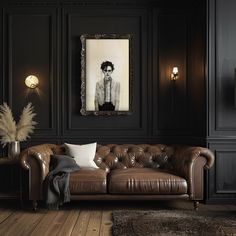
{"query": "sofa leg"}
(196, 204)
(34, 204)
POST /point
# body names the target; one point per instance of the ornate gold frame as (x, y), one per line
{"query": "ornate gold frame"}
(83, 39)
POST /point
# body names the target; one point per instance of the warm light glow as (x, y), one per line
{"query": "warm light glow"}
(32, 81)
(175, 70)
(175, 73)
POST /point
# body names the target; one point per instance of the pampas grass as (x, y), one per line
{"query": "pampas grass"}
(9, 130)
(26, 125)
(7, 125)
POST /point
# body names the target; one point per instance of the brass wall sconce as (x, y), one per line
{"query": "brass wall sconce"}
(175, 74)
(173, 77)
(32, 81)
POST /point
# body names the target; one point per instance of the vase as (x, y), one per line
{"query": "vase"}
(14, 149)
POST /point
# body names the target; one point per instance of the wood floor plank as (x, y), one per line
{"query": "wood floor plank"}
(69, 224)
(34, 219)
(106, 224)
(81, 224)
(45, 223)
(94, 223)
(57, 223)
(23, 228)
(18, 223)
(5, 225)
(5, 213)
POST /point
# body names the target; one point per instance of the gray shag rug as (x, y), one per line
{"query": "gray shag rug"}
(174, 223)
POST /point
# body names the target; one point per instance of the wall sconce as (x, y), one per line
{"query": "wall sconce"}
(175, 73)
(32, 81)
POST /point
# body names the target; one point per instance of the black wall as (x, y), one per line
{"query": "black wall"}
(43, 38)
(221, 132)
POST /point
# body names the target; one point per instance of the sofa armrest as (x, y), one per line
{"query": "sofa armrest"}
(185, 156)
(36, 159)
(189, 163)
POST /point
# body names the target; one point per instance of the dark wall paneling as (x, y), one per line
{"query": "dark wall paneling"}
(222, 185)
(179, 108)
(43, 37)
(222, 37)
(1, 67)
(221, 110)
(170, 101)
(225, 172)
(104, 21)
(196, 85)
(225, 66)
(31, 43)
(1, 58)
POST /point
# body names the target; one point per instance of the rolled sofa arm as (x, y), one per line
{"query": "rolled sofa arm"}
(36, 159)
(190, 162)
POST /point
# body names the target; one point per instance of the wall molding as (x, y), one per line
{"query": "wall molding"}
(10, 14)
(118, 127)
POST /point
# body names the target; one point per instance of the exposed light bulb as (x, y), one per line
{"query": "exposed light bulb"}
(175, 70)
(175, 73)
(32, 81)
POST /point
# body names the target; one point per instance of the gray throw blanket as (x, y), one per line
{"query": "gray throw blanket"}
(57, 181)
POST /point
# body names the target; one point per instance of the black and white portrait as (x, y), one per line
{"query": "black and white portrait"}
(107, 93)
(105, 75)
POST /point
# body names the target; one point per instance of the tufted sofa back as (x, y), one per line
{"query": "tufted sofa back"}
(114, 156)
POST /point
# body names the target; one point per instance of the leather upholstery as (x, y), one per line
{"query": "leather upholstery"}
(88, 181)
(112, 156)
(184, 162)
(41, 153)
(180, 173)
(36, 159)
(145, 181)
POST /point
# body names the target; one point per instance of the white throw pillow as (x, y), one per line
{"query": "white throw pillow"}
(83, 154)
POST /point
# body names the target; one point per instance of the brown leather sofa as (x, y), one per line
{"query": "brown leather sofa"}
(126, 172)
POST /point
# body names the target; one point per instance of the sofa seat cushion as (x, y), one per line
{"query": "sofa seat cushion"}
(88, 181)
(145, 181)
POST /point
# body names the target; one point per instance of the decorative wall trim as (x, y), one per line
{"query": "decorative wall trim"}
(224, 152)
(175, 117)
(64, 123)
(9, 15)
(215, 82)
(140, 16)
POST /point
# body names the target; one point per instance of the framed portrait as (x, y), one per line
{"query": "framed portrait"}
(106, 74)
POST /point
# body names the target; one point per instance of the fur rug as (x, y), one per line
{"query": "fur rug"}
(173, 223)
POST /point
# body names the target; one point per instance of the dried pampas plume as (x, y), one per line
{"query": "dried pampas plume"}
(7, 125)
(9, 130)
(26, 125)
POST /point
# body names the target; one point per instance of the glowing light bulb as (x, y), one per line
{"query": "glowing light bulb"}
(175, 70)
(32, 81)
(175, 73)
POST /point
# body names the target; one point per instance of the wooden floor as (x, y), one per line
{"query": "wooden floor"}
(80, 218)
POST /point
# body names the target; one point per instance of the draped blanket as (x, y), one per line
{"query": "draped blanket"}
(57, 181)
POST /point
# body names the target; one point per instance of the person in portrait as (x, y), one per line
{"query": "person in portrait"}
(107, 94)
